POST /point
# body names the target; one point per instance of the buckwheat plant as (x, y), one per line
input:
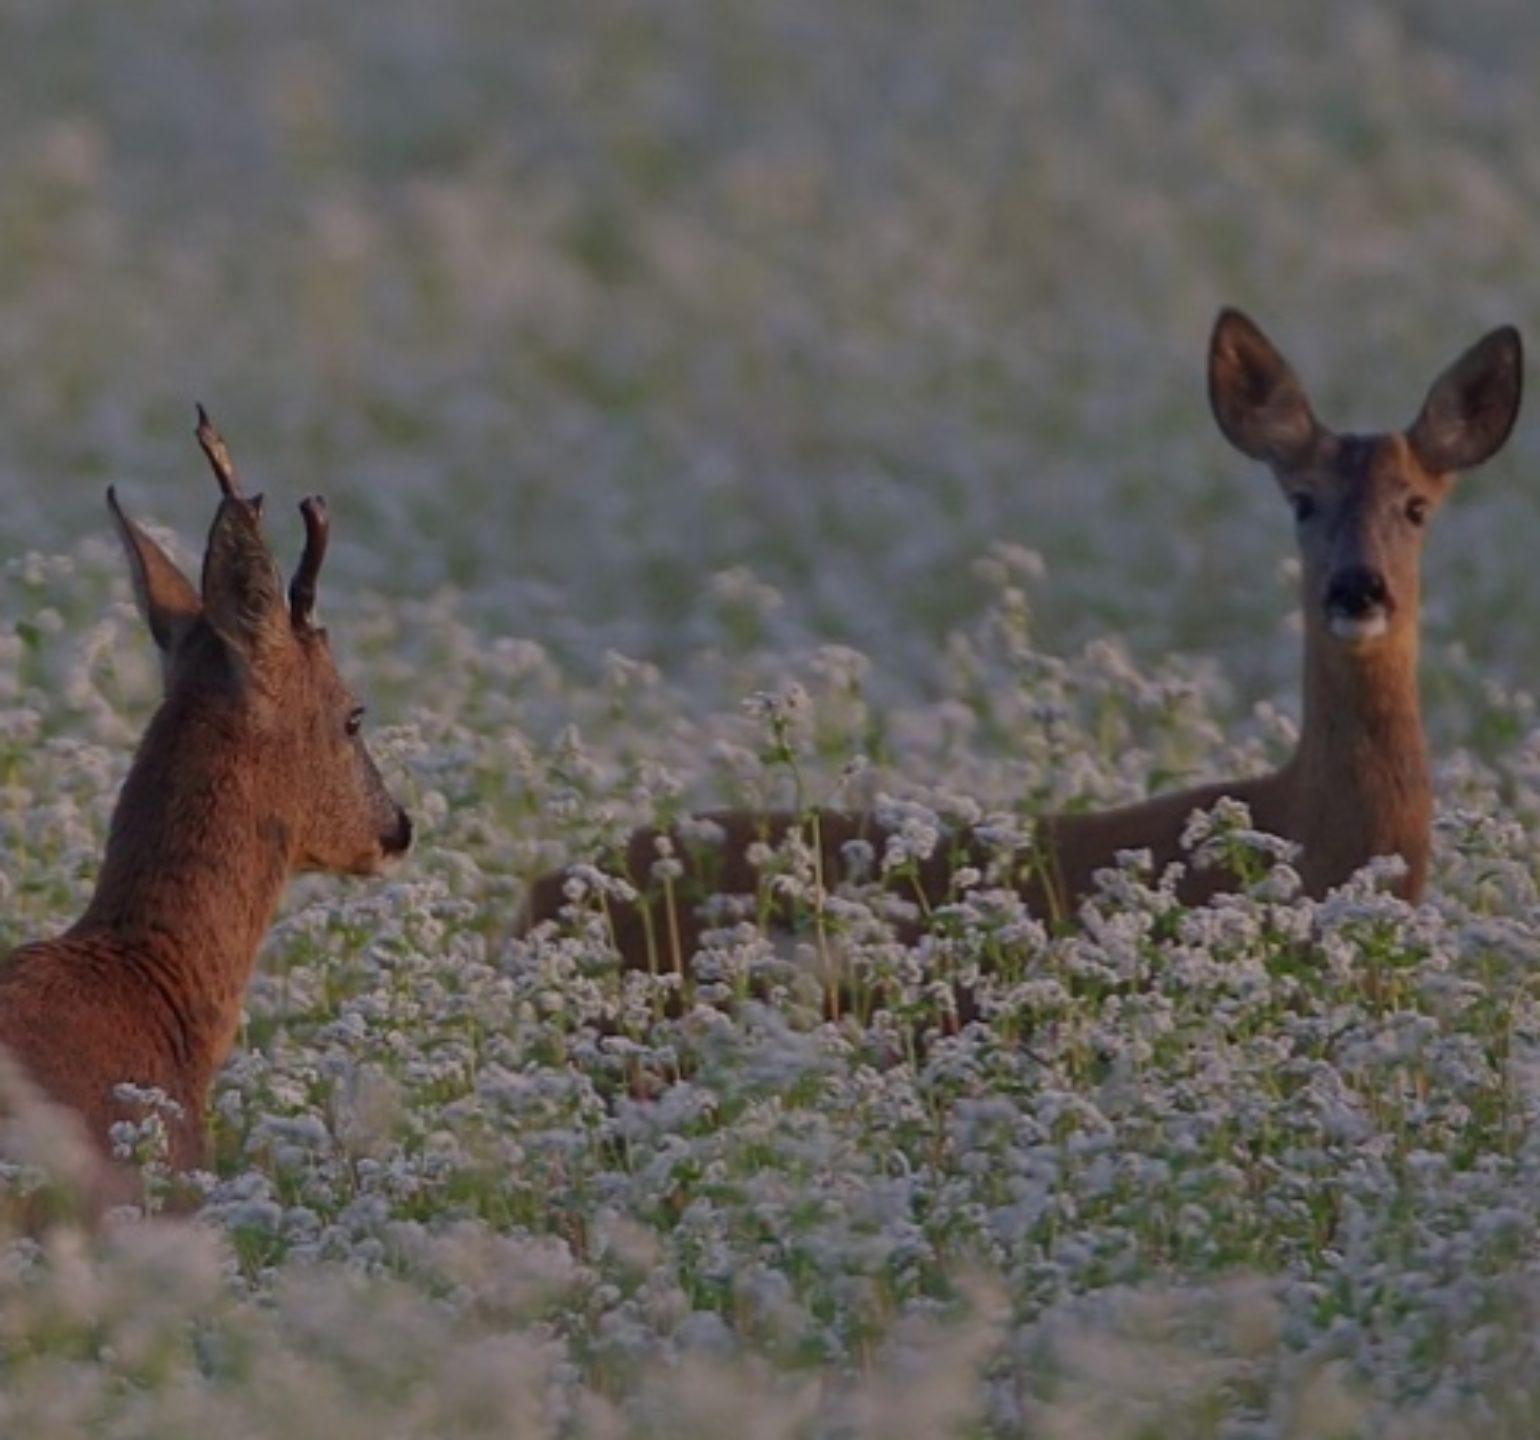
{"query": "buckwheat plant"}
(783, 404)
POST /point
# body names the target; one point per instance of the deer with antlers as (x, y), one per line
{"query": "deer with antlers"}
(1358, 784)
(252, 769)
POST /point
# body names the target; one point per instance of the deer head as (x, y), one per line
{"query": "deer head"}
(254, 672)
(1361, 501)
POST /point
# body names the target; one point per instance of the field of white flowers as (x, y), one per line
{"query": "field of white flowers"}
(793, 401)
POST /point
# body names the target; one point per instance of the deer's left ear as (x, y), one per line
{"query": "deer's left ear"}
(165, 596)
(1472, 406)
(242, 592)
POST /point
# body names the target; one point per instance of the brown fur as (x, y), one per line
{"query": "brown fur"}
(250, 771)
(1358, 785)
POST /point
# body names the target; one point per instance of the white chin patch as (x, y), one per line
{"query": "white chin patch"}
(1358, 627)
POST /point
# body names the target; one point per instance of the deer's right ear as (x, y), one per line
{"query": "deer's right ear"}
(1255, 395)
(165, 596)
(242, 593)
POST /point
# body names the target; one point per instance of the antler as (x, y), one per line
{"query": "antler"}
(218, 454)
(317, 532)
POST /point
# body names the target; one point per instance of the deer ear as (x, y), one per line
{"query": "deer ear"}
(165, 596)
(242, 593)
(1471, 408)
(1255, 395)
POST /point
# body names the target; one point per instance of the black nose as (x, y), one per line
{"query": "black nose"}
(399, 841)
(1357, 591)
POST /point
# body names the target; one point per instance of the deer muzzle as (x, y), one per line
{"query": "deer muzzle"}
(1358, 604)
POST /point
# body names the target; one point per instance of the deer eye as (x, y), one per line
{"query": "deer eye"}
(1304, 506)
(1417, 510)
(355, 721)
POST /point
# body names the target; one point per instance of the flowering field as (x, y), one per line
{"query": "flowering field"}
(798, 403)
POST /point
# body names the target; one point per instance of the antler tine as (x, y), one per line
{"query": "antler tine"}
(317, 532)
(218, 453)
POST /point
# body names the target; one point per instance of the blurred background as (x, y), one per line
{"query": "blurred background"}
(642, 324)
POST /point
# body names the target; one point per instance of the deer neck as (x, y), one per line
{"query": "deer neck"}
(194, 870)
(1360, 776)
